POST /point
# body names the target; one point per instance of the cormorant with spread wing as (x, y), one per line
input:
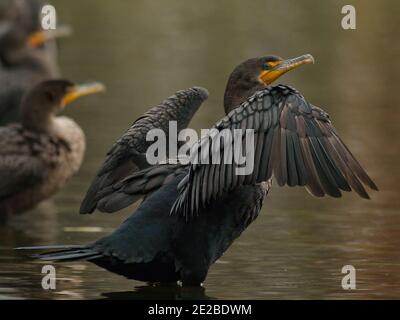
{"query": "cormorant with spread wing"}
(192, 213)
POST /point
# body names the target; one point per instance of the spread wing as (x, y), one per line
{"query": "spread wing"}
(294, 141)
(128, 154)
(136, 186)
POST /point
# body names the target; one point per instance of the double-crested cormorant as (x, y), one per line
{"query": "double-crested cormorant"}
(27, 55)
(192, 213)
(38, 155)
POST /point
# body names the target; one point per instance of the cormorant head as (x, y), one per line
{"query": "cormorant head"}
(13, 38)
(20, 30)
(254, 74)
(47, 98)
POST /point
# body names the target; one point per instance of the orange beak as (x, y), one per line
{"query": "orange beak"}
(38, 38)
(82, 90)
(281, 67)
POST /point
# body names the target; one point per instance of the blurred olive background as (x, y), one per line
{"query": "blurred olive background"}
(146, 50)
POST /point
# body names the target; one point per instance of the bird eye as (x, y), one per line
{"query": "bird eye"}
(266, 66)
(50, 96)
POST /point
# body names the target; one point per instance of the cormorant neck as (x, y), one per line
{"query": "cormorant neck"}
(37, 118)
(27, 58)
(237, 91)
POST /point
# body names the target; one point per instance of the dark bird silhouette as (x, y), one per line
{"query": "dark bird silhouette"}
(38, 155)
(192, 213)
(28, 55)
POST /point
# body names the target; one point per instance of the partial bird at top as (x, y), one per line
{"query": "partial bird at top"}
(192, 213)
(28, 54)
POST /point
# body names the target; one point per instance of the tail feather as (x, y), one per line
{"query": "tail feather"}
(68, 253)
(51, 247)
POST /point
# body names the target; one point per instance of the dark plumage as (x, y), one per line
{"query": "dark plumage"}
(38, 155)
(153, 246)
(294, 142)
(25, 13)
(244, 81)
(128, 154)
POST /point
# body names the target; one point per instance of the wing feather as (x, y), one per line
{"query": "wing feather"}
(127, 155)
(294, 141)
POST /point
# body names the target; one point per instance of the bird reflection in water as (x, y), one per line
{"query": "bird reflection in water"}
(160, 292)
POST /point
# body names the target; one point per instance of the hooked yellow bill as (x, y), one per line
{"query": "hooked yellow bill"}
(280, 67)
(37, 38)
(82, 90)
